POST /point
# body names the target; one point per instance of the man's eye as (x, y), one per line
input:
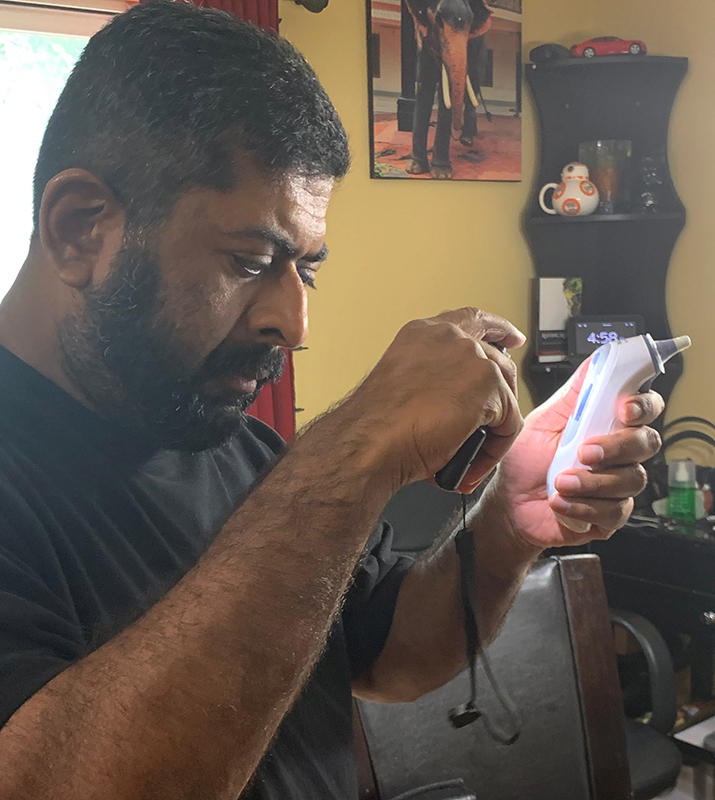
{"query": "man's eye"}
(253, 269)
(249, 267)
(308, 277)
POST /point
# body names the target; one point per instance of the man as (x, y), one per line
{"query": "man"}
(182, 614)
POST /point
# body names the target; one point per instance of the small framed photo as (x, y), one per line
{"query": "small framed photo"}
(445, 89)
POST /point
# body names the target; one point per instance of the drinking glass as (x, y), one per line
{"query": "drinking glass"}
(608, 163)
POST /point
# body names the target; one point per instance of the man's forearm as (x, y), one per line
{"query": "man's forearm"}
(426, 644)
(184, 702)
(503, 561)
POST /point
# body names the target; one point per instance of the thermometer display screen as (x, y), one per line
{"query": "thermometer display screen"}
(588, 334)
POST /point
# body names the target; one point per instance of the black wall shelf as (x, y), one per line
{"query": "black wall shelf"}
(611, 218)
(622, 258)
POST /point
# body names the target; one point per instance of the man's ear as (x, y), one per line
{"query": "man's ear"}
(81, 226)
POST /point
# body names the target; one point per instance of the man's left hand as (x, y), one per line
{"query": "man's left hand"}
(513, 522)
(602, 496)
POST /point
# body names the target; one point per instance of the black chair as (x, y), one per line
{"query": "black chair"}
(555, 658)
(654, 758)
(418, 512)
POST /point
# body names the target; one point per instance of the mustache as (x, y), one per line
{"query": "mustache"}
(262, 361)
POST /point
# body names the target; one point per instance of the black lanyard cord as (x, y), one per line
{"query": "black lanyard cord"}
(469, 712)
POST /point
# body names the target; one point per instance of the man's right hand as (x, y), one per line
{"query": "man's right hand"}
(435, 385)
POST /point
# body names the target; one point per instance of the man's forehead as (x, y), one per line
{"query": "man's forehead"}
(288, 207)
(281, 242)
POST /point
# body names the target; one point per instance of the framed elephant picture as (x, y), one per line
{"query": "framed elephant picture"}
(445, 89)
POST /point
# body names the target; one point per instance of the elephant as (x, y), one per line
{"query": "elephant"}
(451, 50)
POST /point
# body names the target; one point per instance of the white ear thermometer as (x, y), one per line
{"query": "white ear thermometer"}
(618, 370)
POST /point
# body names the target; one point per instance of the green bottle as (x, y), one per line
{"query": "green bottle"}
(681, 489)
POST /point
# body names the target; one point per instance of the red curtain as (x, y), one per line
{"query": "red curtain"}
(261, 12)
(276, 403)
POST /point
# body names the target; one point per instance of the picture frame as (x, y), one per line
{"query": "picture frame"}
(445, 101)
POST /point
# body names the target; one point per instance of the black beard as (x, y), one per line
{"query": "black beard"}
(128, 360)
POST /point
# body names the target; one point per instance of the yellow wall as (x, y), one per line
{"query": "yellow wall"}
(400, 250)
(685, 29)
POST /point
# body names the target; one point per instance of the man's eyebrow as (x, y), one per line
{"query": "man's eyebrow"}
(283, 244)
(320, 256)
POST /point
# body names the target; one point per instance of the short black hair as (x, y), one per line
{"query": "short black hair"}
(167, 94)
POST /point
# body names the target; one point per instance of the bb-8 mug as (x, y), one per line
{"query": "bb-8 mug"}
(575, 196)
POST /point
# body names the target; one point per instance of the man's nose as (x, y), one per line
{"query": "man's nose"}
(279, 315)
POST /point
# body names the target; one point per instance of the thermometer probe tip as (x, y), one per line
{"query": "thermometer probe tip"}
(682, 343)
(667, 348)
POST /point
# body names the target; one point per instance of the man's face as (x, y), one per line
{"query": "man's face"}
(176, 340)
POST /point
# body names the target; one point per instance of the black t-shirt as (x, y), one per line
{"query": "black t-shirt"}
(94, 529)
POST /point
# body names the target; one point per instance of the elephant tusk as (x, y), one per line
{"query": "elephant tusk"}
(472, 95)
(445, 88)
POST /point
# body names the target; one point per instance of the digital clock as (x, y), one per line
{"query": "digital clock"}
(586, 334)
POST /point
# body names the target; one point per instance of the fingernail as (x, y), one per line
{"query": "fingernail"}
(634, 411)
(591, 454)
(568, 483)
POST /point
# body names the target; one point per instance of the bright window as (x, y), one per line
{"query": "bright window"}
(38, 48)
